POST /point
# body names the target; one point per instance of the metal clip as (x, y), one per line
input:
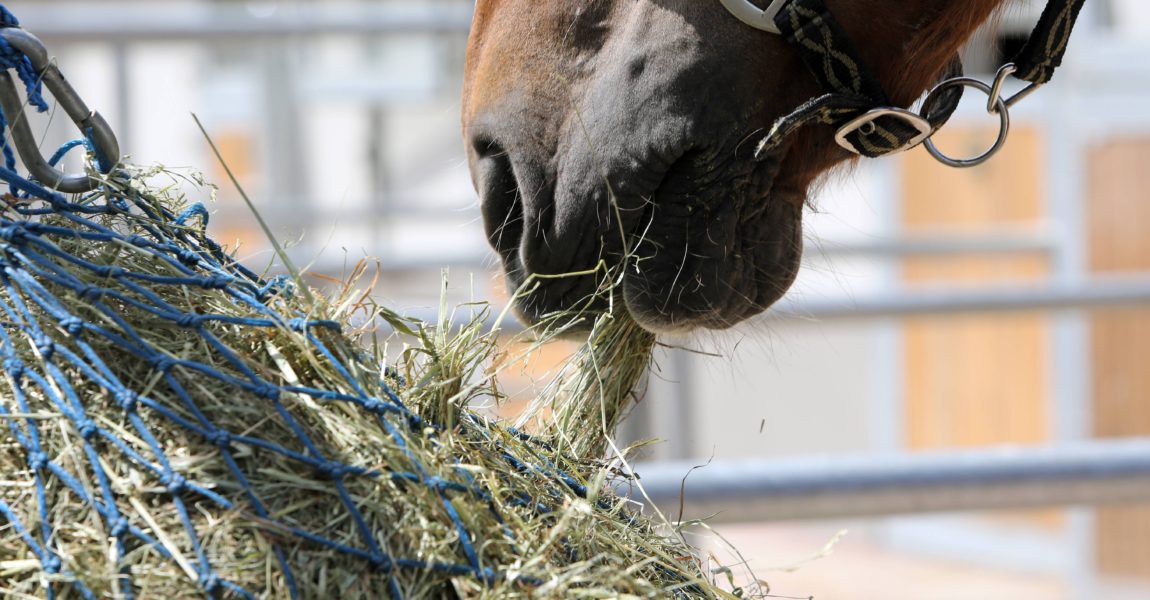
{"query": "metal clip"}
(866, 125)
(996, 89)
(89, 122)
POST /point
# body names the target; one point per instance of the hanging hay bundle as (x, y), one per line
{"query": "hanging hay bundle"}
(172, 425)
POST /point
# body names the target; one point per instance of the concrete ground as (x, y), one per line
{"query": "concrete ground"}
(793, 561)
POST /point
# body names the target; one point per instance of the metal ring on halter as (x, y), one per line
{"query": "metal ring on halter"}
(1000, 108)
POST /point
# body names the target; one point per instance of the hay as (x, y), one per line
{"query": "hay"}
(395, 487)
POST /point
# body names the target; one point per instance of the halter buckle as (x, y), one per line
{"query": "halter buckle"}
(755, 16)
(866, 123)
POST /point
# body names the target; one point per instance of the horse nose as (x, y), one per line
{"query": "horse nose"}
(499, 198)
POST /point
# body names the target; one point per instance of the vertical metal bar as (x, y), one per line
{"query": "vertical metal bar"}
(685, 429)
(1071, 371)
(666, 413)
(122, 75)
(287, 172)
(636, 425)
(381, 185)
(888, 426)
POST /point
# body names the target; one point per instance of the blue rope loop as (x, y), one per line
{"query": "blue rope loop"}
(128, 400)
(7, 19)
(68, 147)
(13, 59)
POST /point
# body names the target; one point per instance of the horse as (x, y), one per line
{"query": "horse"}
(614, 144)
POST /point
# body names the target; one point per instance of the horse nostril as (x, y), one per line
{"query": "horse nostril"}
(498, 196)
(486, 147)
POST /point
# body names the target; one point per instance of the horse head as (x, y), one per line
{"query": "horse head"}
(614, 146)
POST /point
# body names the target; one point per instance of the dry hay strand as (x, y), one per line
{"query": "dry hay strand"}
(580, 410)
(170, 426)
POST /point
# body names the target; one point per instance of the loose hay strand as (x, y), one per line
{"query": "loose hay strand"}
(595, 390)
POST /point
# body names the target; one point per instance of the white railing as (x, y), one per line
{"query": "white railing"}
(1094, 473)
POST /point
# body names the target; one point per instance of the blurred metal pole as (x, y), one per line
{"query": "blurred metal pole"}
(1093, 473)
(285, 137)
(165, 22)
(1097, 292)
(122, 74)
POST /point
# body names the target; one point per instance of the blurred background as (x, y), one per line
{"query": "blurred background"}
(937, 309)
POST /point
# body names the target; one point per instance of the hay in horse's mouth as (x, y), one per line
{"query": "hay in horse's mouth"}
(710, 245)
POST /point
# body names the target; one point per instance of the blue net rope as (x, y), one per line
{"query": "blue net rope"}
(55, 304)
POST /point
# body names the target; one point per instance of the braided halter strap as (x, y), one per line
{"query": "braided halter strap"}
(854, 103)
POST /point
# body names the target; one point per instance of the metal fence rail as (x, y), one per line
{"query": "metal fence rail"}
(134, 22)
(1098, 292)
(1094, 473)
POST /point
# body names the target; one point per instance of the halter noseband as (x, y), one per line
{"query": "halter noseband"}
(854, 103)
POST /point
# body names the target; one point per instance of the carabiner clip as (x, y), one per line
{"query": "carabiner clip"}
(90, 123)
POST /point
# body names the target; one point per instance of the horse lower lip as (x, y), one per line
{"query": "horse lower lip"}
(739, 252)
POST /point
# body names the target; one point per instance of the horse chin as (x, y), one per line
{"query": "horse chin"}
(713, 267)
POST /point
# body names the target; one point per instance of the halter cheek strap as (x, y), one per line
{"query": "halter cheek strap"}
(1046, 47)
(867, 122)
(855, 104)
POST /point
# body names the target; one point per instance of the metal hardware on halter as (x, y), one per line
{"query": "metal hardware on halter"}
(1004, 72)
(825, 48)
(997, 106)
(755, 16)
(865, 124)
(90, 123)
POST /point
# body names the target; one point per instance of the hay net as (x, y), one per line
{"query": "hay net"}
(126, 334)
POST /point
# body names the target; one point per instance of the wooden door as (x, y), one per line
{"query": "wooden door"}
(981, 379)
(1119, 229)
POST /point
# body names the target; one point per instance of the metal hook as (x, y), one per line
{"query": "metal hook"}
(996, 90)
(89, 122)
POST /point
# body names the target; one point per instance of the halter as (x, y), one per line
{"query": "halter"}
(864, 118)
